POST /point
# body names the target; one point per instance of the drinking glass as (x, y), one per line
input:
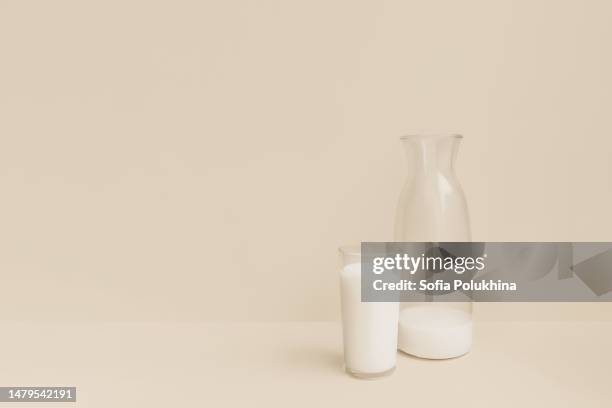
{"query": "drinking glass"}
(369, 329)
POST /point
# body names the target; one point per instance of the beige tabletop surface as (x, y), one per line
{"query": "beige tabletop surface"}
(300, 364)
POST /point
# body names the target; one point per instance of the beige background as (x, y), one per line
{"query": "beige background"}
(203, 160)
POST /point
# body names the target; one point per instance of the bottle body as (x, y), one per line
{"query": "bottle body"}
(432, 208)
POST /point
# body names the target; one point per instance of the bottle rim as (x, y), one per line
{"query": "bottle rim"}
(431, 136)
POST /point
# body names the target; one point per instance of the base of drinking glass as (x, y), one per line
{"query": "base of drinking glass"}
(369, 376)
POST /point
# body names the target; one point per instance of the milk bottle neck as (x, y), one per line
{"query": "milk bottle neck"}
(431, 155)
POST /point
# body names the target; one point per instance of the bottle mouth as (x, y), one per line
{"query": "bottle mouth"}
(352, 249)
(430, 136)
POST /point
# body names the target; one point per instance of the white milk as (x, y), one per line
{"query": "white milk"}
(435, 331)
(369, 329)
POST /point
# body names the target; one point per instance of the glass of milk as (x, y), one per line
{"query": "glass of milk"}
(369, 329)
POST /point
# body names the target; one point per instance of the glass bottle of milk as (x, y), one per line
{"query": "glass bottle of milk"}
(433, 208)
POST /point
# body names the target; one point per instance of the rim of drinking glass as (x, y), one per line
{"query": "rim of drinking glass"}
(431, 136)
